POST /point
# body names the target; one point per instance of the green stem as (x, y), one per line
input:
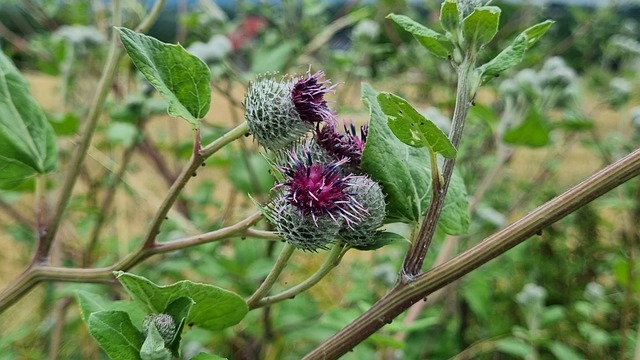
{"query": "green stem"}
(404, 295)
(267, 284)
(414, 259)
(333, 259)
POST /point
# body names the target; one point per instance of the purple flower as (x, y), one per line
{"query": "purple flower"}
(320, 189)
(308, 98)
(343, 145)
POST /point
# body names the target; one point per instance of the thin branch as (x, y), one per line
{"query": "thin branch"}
(332, 260)
(267, 284)
(404, 295)
(35, 274)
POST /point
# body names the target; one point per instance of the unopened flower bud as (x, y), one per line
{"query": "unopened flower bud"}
(164, 324)
(369, 194)
(279, 112)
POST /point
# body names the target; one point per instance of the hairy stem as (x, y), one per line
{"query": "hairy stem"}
(404, 295)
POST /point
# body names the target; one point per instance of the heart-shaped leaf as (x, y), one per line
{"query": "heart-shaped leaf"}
(214, 308)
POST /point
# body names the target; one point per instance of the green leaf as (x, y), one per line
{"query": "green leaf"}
(89, 303)
(181, 78)
(513, 54)
(507, 58)
(403, 171)
(381, 239)
(531, 132)
(412, 128)
(27, 140)
(436, 43)
(514, 346)
(116, 334)
(449, 16)
(179, 310)
(66, 124)
(535, 32)
(153, 346)
(214, 308)
(479, 27)
(122, 133)
(564, 352)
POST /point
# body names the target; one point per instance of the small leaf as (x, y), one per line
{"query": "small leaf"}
(153, 346)
(412, 128)
(532, 132)
(507, 58)
(382, 238)
(66, 124)
(564, 352)
(513, 54)
(27, 140)
(116, 334)
(180, 77)
(214, 308)
(449, 16)
(479, 27)
(514, 346)
(535, 32)
(436, 43)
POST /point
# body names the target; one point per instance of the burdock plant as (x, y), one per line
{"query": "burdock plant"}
(398, 169)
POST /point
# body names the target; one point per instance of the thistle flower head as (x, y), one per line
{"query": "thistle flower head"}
(304, 232)
(347, 145)
(319, 189)
(308, 98)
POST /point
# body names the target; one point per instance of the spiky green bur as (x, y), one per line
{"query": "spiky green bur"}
(369, 194)
(164, 324)
(271, 114)
(303, 231)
